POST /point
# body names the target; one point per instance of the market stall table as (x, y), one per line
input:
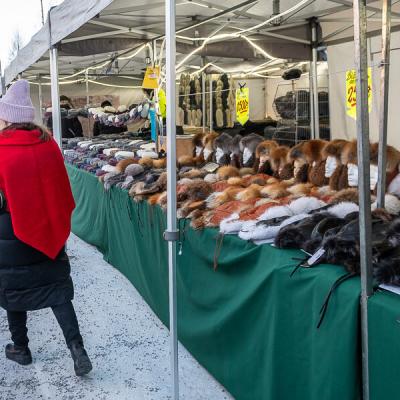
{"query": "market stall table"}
(248, 322)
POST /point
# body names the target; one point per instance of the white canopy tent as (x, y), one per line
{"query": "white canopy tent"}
(116, 37)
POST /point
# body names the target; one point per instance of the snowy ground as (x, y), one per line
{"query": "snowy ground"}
(127, 343)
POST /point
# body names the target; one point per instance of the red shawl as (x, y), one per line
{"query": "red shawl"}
(37, 190)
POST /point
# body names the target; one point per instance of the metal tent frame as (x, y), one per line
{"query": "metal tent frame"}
(59, 46)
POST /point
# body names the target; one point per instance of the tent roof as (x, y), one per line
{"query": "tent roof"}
(89, 32)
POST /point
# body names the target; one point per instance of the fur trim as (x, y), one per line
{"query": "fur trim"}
(392, 204)
(278, 157)
(146, 162)
(197, 140)
(305, 205)
(308, 151)
(343, 208)
(224, 173)
(302, 174)
(382, 214)
(334, 149)
(275, 212)
(153, 200)
(231, 224)
(194, 173)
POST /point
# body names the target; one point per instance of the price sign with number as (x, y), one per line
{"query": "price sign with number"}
(151, 78)
(242, 105)
(351, 103)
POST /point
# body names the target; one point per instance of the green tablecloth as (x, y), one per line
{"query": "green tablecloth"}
(248, 323)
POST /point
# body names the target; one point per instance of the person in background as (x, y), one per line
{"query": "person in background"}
(101, 129)
(70, 127)
(36, 205)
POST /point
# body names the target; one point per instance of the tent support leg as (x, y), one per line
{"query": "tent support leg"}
(171, 235)
(363, 152)
(315, 78)
(55, 96)
(211, 105)
(384, 99)
(40, 95)
(2, 85)
(311, 85)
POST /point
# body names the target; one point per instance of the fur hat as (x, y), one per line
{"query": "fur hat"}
(236, 159)
(121, 166)
(392, 204)
(317, 174)
(392, 157)
(308, 151)
(349, 153)
(278, 157)
(224, 142)
(248, 146)
(224, 173)
(264, 148)
(348, 195)
(334, 149)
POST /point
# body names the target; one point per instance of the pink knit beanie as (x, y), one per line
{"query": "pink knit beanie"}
(16, 105)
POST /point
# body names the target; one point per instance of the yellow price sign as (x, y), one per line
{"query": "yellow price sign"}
(351, 102)
(151, 78)
(242, 105)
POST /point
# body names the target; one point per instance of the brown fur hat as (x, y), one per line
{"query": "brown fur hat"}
(278, 158)
(186, 161)
(308, 151)
(264, 148)
(224, 173)
(197, 140)
(334, 149)
(208, 140)
(392, 157)
(302, 173)
(339, 178)
(349, 153)
(287, 172)
(198, 190)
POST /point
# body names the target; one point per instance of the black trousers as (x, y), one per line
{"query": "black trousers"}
(66, 318)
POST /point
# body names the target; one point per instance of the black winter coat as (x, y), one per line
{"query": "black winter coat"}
(29, 280)
(101, 129)
(70, 127)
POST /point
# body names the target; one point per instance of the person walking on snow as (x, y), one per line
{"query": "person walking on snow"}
(36, 205)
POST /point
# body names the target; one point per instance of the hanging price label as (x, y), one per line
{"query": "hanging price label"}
(351, 103)
(151, 78)
(242, 105)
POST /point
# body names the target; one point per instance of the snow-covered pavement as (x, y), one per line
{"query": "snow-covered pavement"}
(127, 343)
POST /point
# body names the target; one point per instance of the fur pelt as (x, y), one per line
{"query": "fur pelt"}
(317, 174)
(302, 174)
(211, 178)
(153, 200)
(146, 162)
(121, 166)
(287, 172)
(386, 268)
(382, 214)
(246, 171)
(347, 195)
(334, 149)
(275, 190)
(309, 151)
(160, 163)
(236, 181)
(252, 192)
(305, 205)
(224, 173)
(186, 161)
(198, 190)
(218, 198)
(339, 179)
(300, 189)
(342, 209)
(193, 173)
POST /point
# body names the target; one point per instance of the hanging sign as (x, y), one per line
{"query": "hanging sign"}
(242, 105)
(151, 78)
(351, 108)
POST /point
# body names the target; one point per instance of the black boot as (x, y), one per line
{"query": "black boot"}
(19, 354)
(82, 364)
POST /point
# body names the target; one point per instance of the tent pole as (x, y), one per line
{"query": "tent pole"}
(314, 40)
(203, 93)
(40, 94)
(363, 154)
(211, 105)
(87, 101)
(171, 234)
(156, 99)
(2, 85)
(55, 96)
(384, 98)
(311, 84)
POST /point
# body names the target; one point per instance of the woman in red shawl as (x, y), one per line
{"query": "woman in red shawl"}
(35, 221)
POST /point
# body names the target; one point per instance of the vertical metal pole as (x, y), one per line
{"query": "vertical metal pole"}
(40, 94)
(211, 105)
(315, 77)
(311, 113)
(55, 96)
(89, 132)
(203, 100)
(156, 99)
(384, 99)
(363, 152)
(2, 83)
(171, 234)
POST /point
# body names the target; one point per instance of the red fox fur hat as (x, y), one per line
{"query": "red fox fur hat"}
(278, 159)
(263, 153)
